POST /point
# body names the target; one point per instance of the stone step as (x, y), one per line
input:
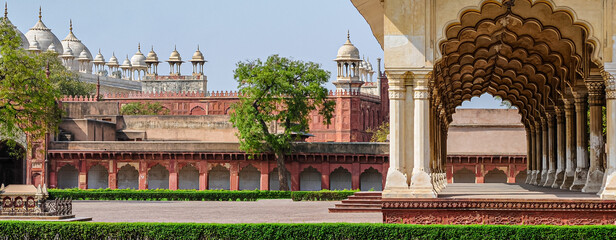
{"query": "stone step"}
(371, 193)
(374, 198)
(361, 201)
(354, 210)
(358, 205)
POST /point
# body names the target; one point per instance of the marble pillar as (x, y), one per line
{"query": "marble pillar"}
(581, 171)
(551, 150)
(421, 184)
(544, 152)
(596, 100)
(570, 144)
(609, 185)
(559, 176)
(396, 183)
(531, 154)
(538, 154)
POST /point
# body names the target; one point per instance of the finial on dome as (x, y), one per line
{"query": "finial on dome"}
(139, 47)
(99, 50)
(70, 25)
(152, 48)
(40, 13)
(198, 47)
(175, 47)
(348, 35)
(6, 10)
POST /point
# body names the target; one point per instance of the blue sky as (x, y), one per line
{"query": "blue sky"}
(226, 31)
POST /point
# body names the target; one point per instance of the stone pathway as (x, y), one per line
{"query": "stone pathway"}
(262, 211)
(285, 210)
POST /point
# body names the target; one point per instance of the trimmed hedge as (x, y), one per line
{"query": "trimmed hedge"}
(151, 231)
(196, 195)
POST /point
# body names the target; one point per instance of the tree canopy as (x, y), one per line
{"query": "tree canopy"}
(27, 97)
(64, 80)
(276, 98)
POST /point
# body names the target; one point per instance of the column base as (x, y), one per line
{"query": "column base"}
(395, 180)
(544, 177)
(529, 176)
(580, 179)
(593, 182)
(568, 181)
(397, 193)
(609, 190)
(550, 178)
(558, 179)
(421, 185)
(536, 177)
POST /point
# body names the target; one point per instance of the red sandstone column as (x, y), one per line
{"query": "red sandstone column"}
(235, 176)
(83, 175)
(511, 173)
(355, 172)
(173, 175)
(479, 173)
(113, 175)
(325, 172)
(265, 175)
(450, 174)
(143, 175)
(294, 176)
(202, 175)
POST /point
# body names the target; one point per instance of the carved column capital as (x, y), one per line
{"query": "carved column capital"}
(560, 113)
(421, 80)
(596, 92)
(397, 79)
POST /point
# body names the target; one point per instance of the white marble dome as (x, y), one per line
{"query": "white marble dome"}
(113, 61)
(99, 57)
(138, 60)
(348, 51)
(197, 56)
(76, 46)
(175, 56)
(44, 36)
(152, 56)
(52, 48)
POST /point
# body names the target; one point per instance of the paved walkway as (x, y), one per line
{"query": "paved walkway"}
(262, 211)
(285, 210)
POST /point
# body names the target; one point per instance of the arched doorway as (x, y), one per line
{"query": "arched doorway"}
(128, 177)
(188, 178)
(219, 178)
(371, 180)
(310, 180)
(68, 177)
(464, 175)
(340, 179)
(495, 176)
(158, 177)
(98, 177)
(274, 183)
(12, 163)
(250, 178)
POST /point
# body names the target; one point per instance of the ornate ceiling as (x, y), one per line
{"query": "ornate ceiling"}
(528, 54)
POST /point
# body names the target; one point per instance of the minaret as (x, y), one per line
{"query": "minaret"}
(348, 62)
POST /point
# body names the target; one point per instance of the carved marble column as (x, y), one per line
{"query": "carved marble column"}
(421, 185)
(544, 152)
(530, 160)
(609, 185)
(560, 148)
(570, 145)
(581, 172)
(538, 154)
(551, 150)
(396, 179)
(596, 100)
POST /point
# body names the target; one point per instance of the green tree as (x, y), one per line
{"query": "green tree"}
(278, 92)
(380, 134)
(27, 97)
(147, 108)
(64, 80)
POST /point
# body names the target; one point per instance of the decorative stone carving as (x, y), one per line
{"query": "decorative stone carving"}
(421, 94)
